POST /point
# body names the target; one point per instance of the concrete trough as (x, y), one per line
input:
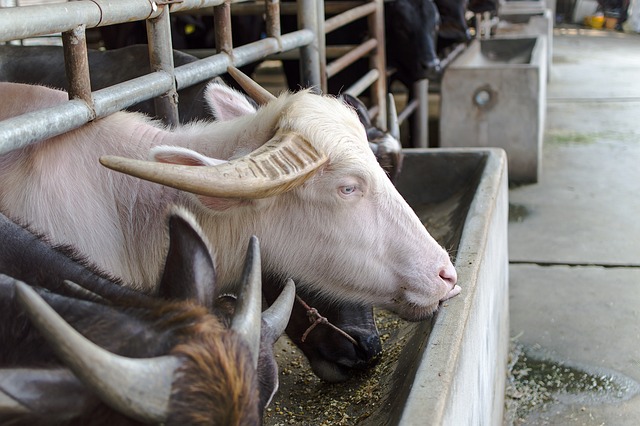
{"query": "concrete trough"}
(494, 95)
(449, 370)
(527, 23)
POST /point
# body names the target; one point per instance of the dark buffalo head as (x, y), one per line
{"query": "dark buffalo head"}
(180, 361)
(385, 145)
(411, 30)
(453, 24)
(338, 340)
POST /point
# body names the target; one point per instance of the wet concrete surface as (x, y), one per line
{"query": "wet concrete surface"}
(574, 237)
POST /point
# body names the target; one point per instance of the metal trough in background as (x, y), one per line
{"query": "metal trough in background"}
(449, 370)
(494, 94)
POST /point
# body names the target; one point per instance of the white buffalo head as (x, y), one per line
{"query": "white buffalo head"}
(301, 176)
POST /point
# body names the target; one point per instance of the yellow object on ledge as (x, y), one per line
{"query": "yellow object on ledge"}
(594, 21)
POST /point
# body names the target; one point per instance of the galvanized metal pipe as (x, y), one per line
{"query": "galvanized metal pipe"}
(20, 131)
(341, 63)
(32, 127)
(76, 63)
(322, 47)
(363, 83)
(287, 8)
(161, 59)
(408, 109)
(222, 24)
(420, 133)
(444, 62)
(309, 54)
(207, 68)
(378, 61)
(31, 21)
(344, 18)
(272, 10)
(28, 128)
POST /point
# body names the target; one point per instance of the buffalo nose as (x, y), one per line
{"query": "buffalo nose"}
(449, 275)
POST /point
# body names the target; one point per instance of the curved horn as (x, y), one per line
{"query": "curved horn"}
(281, 164)
(137, 387)
(253, 89)
(277, 316)
(392, 117)
(247, 317)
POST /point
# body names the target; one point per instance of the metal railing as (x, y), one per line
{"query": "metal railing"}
(73, 18)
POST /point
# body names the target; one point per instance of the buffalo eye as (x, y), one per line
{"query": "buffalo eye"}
(348, 190)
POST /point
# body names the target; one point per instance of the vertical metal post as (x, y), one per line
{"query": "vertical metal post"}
(420, 131)
(161, 59)
(378, 61)
(309, 54)
(322, 47)
(222, 24)
(76, 64)
(273, 19)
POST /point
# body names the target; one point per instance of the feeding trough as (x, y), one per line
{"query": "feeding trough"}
(494, 94)
(527, 22)
(447, 370)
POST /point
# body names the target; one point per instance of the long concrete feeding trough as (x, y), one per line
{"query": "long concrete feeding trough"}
(449, 370)
(534, 20)
(494, 95)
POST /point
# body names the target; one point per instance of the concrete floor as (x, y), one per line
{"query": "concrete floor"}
(574, 237)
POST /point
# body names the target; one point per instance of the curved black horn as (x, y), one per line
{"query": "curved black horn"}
(276, 317)
(247, 317)
(392, 117)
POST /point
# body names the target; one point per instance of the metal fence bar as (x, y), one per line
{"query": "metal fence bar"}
(378, 61)
(341, 63)
(207, 68)
(363, 83)
(24, 22)
(309, 54)
(27, 128)
(31, 21)
(222, 24)
(20, 131)
(420, 131)
(272, 9)
(344, 18)
(76, 64)
(161, 59)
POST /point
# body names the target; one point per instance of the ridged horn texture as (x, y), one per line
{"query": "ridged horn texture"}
(392, 117)
(283, 163)
(277, 316)
(247, 318)
(253, 89)
(136, 387)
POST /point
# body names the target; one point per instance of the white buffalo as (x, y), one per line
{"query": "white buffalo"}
(297, 172)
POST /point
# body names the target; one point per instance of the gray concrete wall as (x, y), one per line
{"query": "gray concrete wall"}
(461, 377)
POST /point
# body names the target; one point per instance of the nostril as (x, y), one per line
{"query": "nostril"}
(449, 275)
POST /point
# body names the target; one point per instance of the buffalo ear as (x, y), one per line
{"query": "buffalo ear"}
(55, 394)
(189, 272)
(226, 103)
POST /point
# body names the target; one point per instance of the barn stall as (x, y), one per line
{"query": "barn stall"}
(440, 371)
